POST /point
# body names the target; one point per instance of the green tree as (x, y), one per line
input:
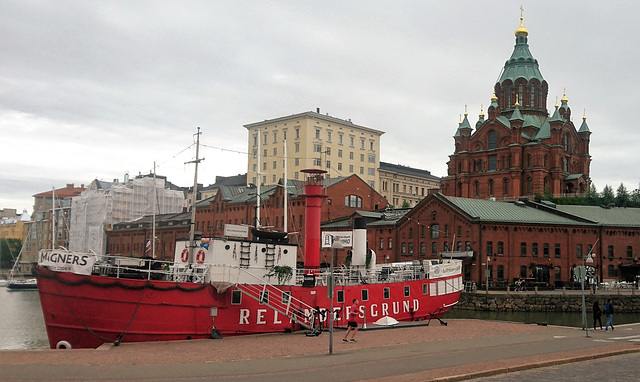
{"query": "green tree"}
(405, 204)
(9, 249)
(607, 195)
(635, 198)
(622, 196)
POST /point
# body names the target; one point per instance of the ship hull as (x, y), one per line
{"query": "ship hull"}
(87, 311)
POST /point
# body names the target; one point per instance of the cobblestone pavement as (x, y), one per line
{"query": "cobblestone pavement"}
(621, 368)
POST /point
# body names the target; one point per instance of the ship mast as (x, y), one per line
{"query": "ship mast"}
(53, 218)
(192, 232)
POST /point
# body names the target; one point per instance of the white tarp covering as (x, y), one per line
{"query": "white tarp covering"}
(103, 204)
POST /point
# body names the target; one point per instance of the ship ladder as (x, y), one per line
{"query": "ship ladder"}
(279, 301)
(245, 254)
(270, 255)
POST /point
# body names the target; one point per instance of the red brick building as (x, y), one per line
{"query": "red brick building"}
(519, 150)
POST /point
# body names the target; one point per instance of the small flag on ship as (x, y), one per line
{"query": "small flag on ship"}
(148, 248)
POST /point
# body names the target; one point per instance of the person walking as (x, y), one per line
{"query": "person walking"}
(352, 324)
(597, 315)
(608, 310)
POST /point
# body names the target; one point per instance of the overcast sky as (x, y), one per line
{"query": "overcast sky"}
(94, 89)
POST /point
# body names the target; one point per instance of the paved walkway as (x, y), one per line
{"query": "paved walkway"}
(463, 349)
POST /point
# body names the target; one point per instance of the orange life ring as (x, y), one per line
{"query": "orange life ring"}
(200, 257)
(184, 256)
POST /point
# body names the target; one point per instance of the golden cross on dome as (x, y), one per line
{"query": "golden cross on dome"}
(521, 12)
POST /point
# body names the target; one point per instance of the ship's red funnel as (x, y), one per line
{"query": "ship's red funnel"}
(314, 197)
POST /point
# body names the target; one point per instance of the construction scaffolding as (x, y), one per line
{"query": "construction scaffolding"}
(103, 204)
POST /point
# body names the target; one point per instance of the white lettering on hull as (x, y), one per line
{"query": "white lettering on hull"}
(260, 316)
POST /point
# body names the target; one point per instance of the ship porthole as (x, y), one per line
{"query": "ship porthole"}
(63, 345)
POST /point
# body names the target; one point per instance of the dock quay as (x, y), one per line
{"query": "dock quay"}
(461, 350)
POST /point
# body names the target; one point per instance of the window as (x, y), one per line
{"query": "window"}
(490, 187)
(506, 186)
(407, 291)
(545, 249)
(579, 251)
(523, 249)
(297, 161)
(364, 294)
(297, 133)
(286, 297)
(371, 171)
(403, 250)
(434, 248)
(340, 296)
(264, 138)
(500, 272)
(317, 133)
(523, 271)
(610, 251)
(275, 164)
(435, 231)
(275, 136)
(493, 162)
(317, 148)
(493, 140)
(328, 164)
(500, 248)
(381, 243)
(351, 155)
(339, 153)
(236, 297)
(425, 288)
(275, 151)
(390, 244)
(264, 297)
(386, 293)
(317, 162)
(361, 170)
(489, 248)
(353, 201)
(556, 250)
(339, 166)
(629, 252)
(411, 248)
(297, 147)
(362, 143)
(351, 168)
(339, 139)
(361, 157)
(284, 134)
(534, 250)
(328, 136)
(352, 141)
(423, 248)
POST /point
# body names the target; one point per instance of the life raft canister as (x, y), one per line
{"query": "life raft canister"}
(184, 256)
(200, 257)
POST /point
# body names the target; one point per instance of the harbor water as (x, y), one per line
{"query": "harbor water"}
(22, 324)
(21, 321)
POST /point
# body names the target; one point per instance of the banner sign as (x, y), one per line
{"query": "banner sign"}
(67, 261)
(236, 230)
(345, 237)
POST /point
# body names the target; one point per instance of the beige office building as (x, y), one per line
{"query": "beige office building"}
(313, 140)
(405, 186)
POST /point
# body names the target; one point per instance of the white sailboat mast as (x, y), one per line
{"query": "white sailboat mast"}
(192, 232)
(258, 185)
(53, 218)
(286, 189)
(153, 220)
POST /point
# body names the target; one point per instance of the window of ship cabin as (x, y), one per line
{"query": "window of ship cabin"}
(340, 297)
(364, 295)
(236, 297)
(264, 297)
(425, 289)
(286, 297)
(386, 293)
(407, 291)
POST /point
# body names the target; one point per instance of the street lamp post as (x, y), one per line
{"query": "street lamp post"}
(335, 244)
(583, 275)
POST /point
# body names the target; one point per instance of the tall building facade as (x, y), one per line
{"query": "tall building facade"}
(313, 140)
(404, 186)
(519, 150)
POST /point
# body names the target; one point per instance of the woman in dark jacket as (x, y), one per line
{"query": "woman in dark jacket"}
(597, 315)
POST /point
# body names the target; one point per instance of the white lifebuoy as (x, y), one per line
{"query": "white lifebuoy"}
(184, 256)
(63, 345)
(200, 257)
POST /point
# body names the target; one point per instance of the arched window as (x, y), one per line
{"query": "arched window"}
(490, 187)
(528, 186)
(506, 187)
(529, 160)
(353, 201)
(476, 185)
(493, 140)
(460, 189)
(565, 141)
